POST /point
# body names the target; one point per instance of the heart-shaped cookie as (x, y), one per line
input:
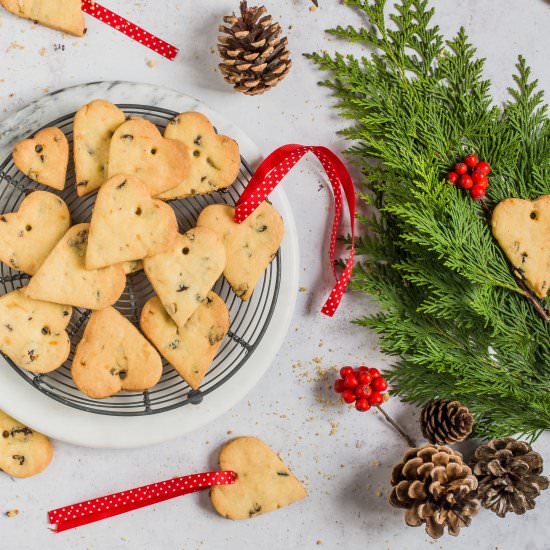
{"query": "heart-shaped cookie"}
(183, 276)
(190, 349)
(63, 15)
(138, 148)
(215, 159)
(64, 279)
(29, 235)
(249, 246)
(113, 356)
(94, 126)
(127, 224)
(264, 483)
(44, 157)
(23, 452)
(32, 333)
(522, 228)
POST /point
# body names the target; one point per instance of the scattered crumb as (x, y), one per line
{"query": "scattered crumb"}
(358, 444)
(15, 46)
(229, 432)
(379, 493)
(321, 343)
(317, 360)
(303, 289)
(12, 513)
(150, 63)
(334, 427)
(313, 8)
(43, 52)
(319, 542)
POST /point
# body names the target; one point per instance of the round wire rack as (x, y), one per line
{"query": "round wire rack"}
(249, 320)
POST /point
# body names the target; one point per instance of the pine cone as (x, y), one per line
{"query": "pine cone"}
(446, 422)
(509, 477)
(255, 56)
(435, 487)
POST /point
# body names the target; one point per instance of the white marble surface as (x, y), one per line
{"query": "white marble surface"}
(344, 458)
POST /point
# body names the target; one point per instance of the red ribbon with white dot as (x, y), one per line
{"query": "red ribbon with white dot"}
(89, 511)
(273, 169)
(129, 29)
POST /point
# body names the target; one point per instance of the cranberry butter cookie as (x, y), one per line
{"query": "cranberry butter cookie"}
(29, 235)
(94, 126)
(32, 333)
(113, 356)
(44, 157)
(183, 276)
(192, 348)
(215, 159)
(250, 246)
(64, 279)
(264, 483)
(127, 224)
(23, 452)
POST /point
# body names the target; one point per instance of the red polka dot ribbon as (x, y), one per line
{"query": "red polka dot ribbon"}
(274, 168)
(129, 29)
(90, 511)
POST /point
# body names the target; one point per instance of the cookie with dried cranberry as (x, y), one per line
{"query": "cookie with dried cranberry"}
(250, 246)
(23, 452)
(94, 126)
(264, 483)
(183, 276)
(192, 348)
(29, 235)
(44, 157)
(32, 332)
(63, 278)
(113, 356)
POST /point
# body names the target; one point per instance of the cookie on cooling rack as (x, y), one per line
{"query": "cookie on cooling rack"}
(94, 125)
(29, 235)
(113, 356)
(128, 224)
(23, 452)
(250, 246)
(64, 279)
(183, 276)
(215, 159)
(63, 15)
(32, 333)
(44, 157)
(264, 483)
(138, 148)
(190, 349)
(132, 267)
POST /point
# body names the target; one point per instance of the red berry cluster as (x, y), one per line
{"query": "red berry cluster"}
(471, 174)
(362, 385)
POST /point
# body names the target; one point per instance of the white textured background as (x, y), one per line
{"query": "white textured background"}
(343, 457)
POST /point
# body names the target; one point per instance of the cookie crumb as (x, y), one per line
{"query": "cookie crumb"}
(12, 513)
(379, 493)
(150, 63)
(303, 289)
(43, 52)
(313, 8)
(229, 432)
(333, 427)
(317, 360)
(319, 542)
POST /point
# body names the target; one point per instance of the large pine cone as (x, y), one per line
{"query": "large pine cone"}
(435, 487)
(445, 422)
(509, 477)
(254, 55)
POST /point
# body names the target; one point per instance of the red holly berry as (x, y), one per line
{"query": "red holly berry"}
(346, 371)
(375, 399)
(453, 177)
(479, 178)
(379, 384)
(361, 369)
(364, 378)
(460, 168)
(483, 167)
(362, 392)
(339, 385)
(471, 161)
(465, 181)
(348, 396)
(374, 372)
(350, 381)
(362, 405)
(477, 192)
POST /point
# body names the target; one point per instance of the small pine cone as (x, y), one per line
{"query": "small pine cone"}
(255, 57)
(509, 477)
(446, 422)
(435, 487)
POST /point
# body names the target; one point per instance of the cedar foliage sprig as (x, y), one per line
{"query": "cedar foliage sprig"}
(450, 309)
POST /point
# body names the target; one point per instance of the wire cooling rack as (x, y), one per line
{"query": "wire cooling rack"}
(249, 320)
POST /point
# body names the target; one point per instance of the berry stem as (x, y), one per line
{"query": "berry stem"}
(410, 441)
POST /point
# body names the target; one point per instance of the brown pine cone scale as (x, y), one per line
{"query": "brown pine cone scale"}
(446, 422)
